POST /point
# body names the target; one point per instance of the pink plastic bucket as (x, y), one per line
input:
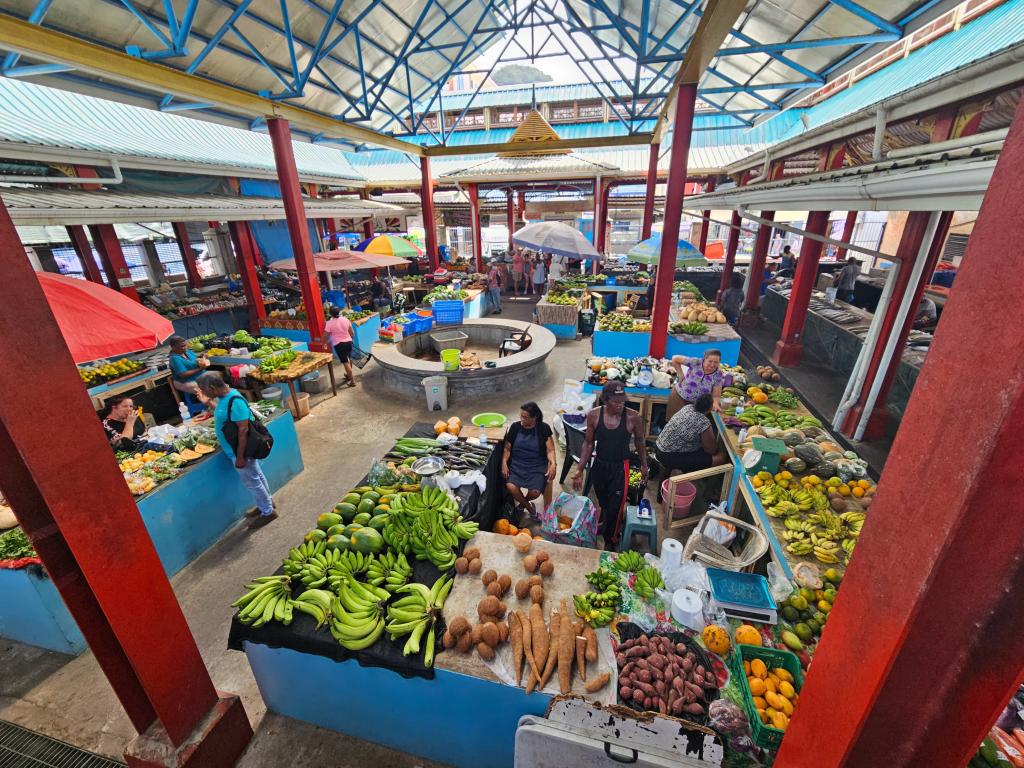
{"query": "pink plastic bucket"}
(679, 504)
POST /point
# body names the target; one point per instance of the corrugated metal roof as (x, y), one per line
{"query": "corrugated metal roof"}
(37, 115)
(39, 235)
(537, 166)
(1000, 28)
(74, 206)
(525, 94)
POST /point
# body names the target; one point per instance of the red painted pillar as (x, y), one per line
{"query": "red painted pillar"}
(731, 244)
(682, 119)
(652, 185)
(706, 225)
(601, 224)
(188, 256)
(510, 219)
(763, 239)
(521, 212)
(942, 605)
(123, 604)
(298, 229)
(427, 202)
(474, 222)
(241, 238)
(368, 221)
(105, 239)
(906, 254)
(848, 225)
(83, 250)
(789, 348)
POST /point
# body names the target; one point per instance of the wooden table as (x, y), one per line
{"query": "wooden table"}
(305, 363)
(148, 379)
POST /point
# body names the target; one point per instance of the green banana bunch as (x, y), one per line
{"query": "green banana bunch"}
(647, 580)
(464, 529)
(803, 547)
(629, 561)
(316, 603)
(357, 614)
(299, 556)
(602, 578)
(794, 535)
(431, 539)
(313, 572)
(389, 570)
(396, 531)
(416, 613)
(268, 598)
(348, 563)
(595, 616)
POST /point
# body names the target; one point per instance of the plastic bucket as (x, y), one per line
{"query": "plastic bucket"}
(271, 393)
(303, 409)
(436, 390)
(450, 358)
(679, 504)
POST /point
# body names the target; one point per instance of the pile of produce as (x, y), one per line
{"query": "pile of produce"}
(692, 328)
(658, 675)
(267, 345)
(198, 343)
(615, 321)
(599, 279)
(772, 692)
(104, 372)
(766, 416)
(602, 369)
(401, 320)
(805, 612)
(136, 461)
(784, 398)
(453, 426)
(417, 613)
(277, 361)
(427, 524)
(685, 286)
(445, 293)
(355, 315)
(145, 471)
(560, 298)
(217, 351)
(598, 606)
(14, 545)
(701, 313)
(768, 373)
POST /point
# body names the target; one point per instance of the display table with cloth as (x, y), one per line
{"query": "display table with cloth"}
(184, 517)
(304, 364)
(561, 319)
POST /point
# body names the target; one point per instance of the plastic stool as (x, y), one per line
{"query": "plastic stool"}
(193, 405)
(635, 524)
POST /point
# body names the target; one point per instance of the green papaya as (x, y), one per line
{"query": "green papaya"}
(350, 529)
(327, 519)
(347, 511)
(377, 522)
(366, 505)
(336, 530)
(367, 540)
(316, 534)
(372, 495)
(363, 518)
(352, 498)
(338, 542)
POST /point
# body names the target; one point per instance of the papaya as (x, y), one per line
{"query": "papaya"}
(350, 529)
(316, 534)
(338, 542)
(371, 495)
(327, 519)
(367, 540)
(336, 530)
(378, 522)
(351, 498)
(347, 511)
(361, 519)
(366, 507)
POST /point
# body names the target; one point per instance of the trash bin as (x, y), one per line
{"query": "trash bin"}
(314, 383)
(303, 405)
(451, 358)
(271, 393)
(587, 321)
(436, 389)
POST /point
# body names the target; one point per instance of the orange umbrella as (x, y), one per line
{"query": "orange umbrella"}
(100, 322)
(344, 261)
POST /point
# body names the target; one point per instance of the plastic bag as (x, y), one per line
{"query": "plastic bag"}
(778, 585)
(717, 531)
(582, 530)
(690, 574)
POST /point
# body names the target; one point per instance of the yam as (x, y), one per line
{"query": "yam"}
(530, 563)
(489, 576)
(459, 626)
(598, 682)
(485, 651)
(527, 640)
(515, 632)
(475, 566)
(581, 656)
(537, 595)
(476, 633)
(553, 634)
(591, 636)
(465, 643)
(565, 649)
(540, 641)
(505, 581)
(471, 553)
(462, 565)
(502, 631)
(547, 568)
(542, 556)
(490, 635)
(536, 581)
(522, 589)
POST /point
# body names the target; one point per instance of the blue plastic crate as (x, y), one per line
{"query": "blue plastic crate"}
(417, 324)
(450, 312)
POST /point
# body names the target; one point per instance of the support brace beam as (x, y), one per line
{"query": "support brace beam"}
(188, 256)
(83, 249)
(118, 275)
(652, 184)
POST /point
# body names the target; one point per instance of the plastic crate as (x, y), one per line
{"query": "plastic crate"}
(765, 736)
(417, 324)
(449, 312)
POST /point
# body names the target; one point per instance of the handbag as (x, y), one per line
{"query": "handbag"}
(259, 442)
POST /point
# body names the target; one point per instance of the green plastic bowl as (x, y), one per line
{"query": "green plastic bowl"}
(489, 420)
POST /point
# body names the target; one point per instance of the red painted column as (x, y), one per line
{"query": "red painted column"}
(652, 184)
(103, 565)
(188, 256)
(789, 348)
(474, 221)
(906, 254)
(848, 225)
(241, 238)
(706, 225)
(298, 229)
(510, 218)
(941, 605)
(521, 212)
(752, 304)
(731, 244)
(682, 119)
(601, 224)
(105, 239)
(427, 202)
(83, 249)
(367, 222)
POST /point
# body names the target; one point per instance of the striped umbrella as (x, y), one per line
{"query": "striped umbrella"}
(649, 252)
(389, 245)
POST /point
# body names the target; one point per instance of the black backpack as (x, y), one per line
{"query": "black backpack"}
(259, 442)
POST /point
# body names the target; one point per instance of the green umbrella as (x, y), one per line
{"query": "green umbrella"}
(649, 252)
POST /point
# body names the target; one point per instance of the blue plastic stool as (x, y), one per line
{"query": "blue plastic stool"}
(635, 524)
(194, 406)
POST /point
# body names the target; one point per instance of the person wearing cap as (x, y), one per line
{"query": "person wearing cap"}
(609, 428)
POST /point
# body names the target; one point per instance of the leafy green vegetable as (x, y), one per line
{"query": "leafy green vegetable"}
(14, 544)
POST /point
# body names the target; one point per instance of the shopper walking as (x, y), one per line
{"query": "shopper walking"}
(609, 428)
(340, 334)
(494, 287)
(846, 280)
(233, 409)
(732, 298)
(540, 276)
(517, 270)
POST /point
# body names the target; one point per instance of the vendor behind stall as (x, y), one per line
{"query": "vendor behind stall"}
(927, 314)
(185, 366)
(610, 426)
(703, 376)
(122, 424)
(687, 442)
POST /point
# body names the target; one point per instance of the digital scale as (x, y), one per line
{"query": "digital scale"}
(743, 595)
(764, 456)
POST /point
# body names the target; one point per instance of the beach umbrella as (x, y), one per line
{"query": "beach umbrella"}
(99, 322)
(389, 245)
(345, 261)
(649, 252)
(555, 237)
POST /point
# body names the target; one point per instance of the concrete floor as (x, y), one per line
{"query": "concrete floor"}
(70, 699)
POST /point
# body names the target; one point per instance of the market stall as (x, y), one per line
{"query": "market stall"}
(365, 324)
(559, 313)
(188, 506)
(293, 368)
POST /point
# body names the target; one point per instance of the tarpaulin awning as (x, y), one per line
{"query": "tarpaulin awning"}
(99, 322)
(344, 261)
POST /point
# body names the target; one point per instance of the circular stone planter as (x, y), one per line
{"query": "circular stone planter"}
(404, 373)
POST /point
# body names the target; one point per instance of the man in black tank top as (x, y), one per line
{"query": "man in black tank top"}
(610, 426)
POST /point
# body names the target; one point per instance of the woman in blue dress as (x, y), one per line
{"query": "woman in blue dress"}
(529, 460)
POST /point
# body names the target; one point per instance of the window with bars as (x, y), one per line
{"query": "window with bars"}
(69, 264)
(591, 111)
(562, 113)
(170, 258)
(508, 116)
(135, 258)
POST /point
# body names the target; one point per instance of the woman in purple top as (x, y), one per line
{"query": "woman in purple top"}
(704, 376)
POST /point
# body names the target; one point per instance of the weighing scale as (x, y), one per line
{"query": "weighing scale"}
(764, 456)
(743, 595)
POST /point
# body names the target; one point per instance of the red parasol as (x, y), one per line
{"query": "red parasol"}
(99, 322)
(344, 261)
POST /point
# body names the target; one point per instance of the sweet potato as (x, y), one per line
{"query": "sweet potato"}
(502, 631)
(565, 649)
(540, 640)
(515, 632)
(527, 641)
(554, 624)
(591, 636)
(581, 656)
(597, 683)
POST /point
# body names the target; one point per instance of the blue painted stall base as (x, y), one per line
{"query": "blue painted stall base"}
(564, 332)
(33, 612)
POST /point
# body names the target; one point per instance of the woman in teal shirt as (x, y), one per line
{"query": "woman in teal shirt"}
(185, 366)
